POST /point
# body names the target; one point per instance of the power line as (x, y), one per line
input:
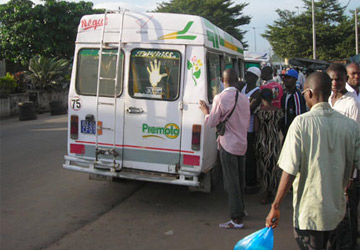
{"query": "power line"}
(347, 4)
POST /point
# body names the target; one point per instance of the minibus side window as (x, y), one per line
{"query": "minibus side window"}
(213, 76)
(87, 72)
(241, 69)
(252, 64)
(229, 63)
(155, 74)
(234, 65)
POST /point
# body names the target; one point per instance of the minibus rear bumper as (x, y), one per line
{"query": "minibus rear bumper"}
(184, 178)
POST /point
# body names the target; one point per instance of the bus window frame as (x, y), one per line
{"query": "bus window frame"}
(149, 98)
(122, 52)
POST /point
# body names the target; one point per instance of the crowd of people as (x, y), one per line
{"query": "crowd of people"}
(293, 132)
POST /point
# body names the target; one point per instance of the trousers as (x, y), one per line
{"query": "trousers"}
(251, 165)
(233, 167)
(310, 239)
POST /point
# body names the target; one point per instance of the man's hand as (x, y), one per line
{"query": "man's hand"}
(349, 186)
(204, 108)
(272, 220)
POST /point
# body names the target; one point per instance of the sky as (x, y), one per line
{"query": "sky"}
(261, 11)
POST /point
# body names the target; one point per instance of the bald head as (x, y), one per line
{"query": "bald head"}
(352, 65)
(320, 84)
(353, 73)
(229, 77)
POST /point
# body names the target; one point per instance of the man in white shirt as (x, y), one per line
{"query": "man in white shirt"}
(250, 89)
(342, 100)
(353, 83)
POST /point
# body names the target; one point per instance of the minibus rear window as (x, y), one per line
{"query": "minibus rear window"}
(87, 72)
(154, 74)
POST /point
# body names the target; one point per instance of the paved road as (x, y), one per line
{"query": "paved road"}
(46, 207)
(40, 201)
(162, 217)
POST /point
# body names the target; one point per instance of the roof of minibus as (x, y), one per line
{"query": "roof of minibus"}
(157, 28)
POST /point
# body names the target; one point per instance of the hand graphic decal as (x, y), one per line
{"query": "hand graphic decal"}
(154, 74)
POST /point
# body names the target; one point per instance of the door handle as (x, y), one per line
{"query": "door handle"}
(134, 110)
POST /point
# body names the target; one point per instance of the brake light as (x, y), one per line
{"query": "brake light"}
(196, 135)
(77, 148)
(74, 127)
(193, 160)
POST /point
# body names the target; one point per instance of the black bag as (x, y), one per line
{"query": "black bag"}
(220, 128)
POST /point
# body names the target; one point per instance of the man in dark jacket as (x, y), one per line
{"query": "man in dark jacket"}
(292, 102)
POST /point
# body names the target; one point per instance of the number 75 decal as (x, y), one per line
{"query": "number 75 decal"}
(75, 103)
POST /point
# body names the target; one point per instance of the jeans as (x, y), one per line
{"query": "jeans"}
(233, 167)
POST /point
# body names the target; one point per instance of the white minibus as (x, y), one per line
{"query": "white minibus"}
(134, 95)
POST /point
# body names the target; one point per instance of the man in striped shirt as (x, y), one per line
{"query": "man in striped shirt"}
(292, 102)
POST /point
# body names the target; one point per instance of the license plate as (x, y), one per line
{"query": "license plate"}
(88, 127)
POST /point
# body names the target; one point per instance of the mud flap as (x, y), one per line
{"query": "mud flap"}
(205, 183)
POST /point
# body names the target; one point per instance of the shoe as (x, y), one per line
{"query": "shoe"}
(231, 225)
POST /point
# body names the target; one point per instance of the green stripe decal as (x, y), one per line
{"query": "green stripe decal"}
(186, 29)
(151, 156)
(222, 42)
(177, 35)
(187, 37)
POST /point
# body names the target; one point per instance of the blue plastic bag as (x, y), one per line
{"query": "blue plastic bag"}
(260, 240)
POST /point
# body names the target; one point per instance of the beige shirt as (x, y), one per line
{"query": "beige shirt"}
(320, 149)
(348, 106)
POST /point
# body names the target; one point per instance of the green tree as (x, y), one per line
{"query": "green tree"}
(17, 30)
(222, 13)
(48, 29)
(291, 34)
(8, 85)
(48, 73)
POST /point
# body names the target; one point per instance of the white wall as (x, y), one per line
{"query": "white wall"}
(9, 105)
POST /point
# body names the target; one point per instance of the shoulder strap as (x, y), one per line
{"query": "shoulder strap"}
(236, 98)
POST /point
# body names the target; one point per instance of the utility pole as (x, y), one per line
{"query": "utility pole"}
(314, 32)
(254, 37)
(356, 33)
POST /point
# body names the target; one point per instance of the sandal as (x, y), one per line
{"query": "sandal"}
(231, 225)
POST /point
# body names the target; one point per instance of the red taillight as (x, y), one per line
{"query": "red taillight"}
(196, 135)
(193, 160)
(77, 148)
(74, 127)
